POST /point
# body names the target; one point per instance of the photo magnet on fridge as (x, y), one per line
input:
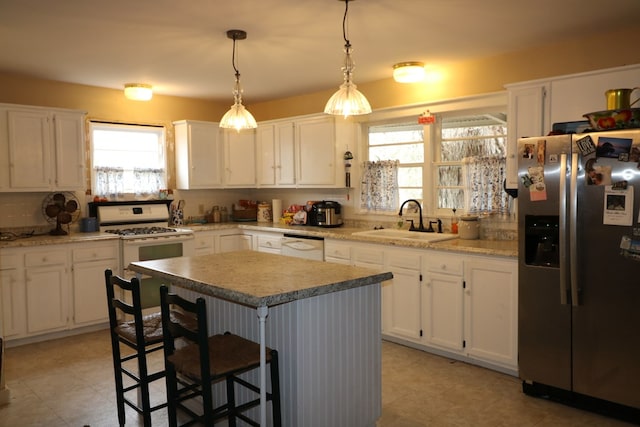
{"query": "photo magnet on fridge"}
(538, 188)
(613, 147)
(586, 146)
(596, 174)
(618, 206)
(541, 151)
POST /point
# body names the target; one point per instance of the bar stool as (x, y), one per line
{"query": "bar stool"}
(143, 334)
(202, 360)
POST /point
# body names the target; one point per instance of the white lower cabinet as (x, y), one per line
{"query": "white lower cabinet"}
(402, 293)
(89, 290)
(267, 242)
(337, 251)
(12, 295)
(204, 242)
(54, 289)
(442, 301)
(491, 310)
(47, 291)
(235, 242)
(457, 305)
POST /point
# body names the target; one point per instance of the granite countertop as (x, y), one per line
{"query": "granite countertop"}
(258, 279)
(47, 239)
(505, 248)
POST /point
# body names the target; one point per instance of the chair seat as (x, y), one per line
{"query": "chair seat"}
(152, 326)
(227, 353)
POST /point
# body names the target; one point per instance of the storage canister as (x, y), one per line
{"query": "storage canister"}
(469, 227)
(264, 212)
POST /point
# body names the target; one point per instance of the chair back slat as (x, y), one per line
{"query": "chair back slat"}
(174, 330)
(115, 303)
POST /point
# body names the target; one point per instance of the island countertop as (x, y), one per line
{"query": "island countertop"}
(258, 279)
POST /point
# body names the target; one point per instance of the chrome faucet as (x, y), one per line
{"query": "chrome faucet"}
(421, 226)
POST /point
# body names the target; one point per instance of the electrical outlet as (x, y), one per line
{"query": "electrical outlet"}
(201, 209)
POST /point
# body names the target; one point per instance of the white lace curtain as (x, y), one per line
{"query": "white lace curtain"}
(110, 181)
(379, 189)
(147, 181)
(485, 177)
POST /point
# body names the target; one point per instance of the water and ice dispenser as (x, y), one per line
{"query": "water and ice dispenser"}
(542, 241)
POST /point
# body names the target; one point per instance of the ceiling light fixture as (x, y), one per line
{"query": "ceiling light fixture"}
(409, 72)
(237, 117)
(138, 91)
(348, 100)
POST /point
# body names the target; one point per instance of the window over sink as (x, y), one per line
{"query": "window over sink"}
(128, 160)
(458, 161)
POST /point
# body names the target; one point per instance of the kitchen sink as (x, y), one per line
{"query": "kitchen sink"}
(391, 234)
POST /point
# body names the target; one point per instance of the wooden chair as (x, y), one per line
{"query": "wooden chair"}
(143, 334)
(204, 360)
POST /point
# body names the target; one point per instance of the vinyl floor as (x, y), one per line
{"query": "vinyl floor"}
(68, 382)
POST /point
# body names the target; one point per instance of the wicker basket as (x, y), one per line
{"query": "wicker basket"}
(250, 214)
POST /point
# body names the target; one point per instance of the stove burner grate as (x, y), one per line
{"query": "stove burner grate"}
(135, 231)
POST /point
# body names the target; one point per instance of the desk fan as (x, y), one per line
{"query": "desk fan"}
(61, 208)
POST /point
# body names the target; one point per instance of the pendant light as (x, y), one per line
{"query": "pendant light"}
(237, 117)
(348, 100)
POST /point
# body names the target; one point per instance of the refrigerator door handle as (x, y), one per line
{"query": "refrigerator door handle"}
(573, 227)
(562, 223)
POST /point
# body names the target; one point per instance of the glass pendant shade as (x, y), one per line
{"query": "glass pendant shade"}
(238, 117)
(348, 100)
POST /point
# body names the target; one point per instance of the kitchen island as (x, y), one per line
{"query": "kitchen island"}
(324, 320)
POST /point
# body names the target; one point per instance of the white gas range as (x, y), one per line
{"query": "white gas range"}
(144, 235)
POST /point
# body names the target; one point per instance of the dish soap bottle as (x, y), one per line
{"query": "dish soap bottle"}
(454, 222)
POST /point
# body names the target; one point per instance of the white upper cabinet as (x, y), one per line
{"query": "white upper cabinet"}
(296, 152)
(536, 105)
(70, 150)
(239, 158)
(527, 115)
(575, 95)
(197, 155)
(316, 152)
(275, 154)
(42, 149)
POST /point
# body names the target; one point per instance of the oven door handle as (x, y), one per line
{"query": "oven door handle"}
(158, 239)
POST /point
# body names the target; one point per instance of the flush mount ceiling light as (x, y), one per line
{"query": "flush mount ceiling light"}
(237, 117)
(138, 91)
(348, 100)
(409, 72)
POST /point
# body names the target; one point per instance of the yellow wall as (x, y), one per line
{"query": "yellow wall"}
(585, 53)
(105, 104)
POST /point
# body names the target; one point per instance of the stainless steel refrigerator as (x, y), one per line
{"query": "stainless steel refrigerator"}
(579, 270)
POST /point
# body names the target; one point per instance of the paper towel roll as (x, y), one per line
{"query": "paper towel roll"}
(276, 209)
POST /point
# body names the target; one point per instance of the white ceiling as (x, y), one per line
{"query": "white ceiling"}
(293, 47)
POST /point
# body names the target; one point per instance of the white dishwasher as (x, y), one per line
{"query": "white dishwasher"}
(307, 247)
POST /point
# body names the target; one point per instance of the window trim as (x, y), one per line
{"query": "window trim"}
(455, 106)
(108, 123)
